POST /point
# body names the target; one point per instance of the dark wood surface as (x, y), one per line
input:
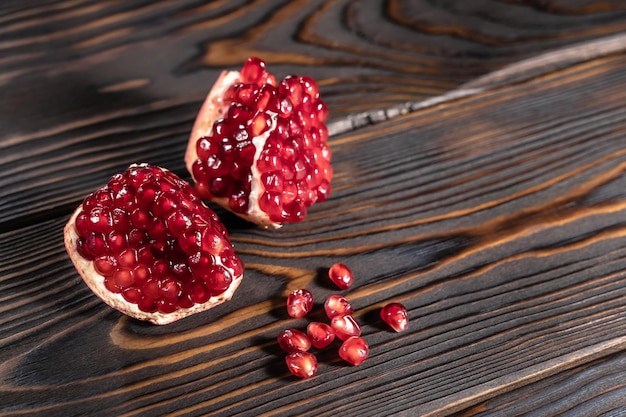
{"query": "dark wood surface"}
(479, 150)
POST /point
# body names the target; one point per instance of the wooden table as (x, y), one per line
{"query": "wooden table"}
(479, 150)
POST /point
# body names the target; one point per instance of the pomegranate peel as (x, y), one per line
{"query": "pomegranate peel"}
(258, 147)
(143, 269)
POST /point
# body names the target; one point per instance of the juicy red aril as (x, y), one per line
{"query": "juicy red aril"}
(345, 327)
(320, 334)
(302, 364)
(299, 303)
(269, 133)
(293, 340)
(341, 276)
(154, 241)
(337, 305)
(396, 316)
(354, 350)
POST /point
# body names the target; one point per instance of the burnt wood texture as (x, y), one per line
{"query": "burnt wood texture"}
(479, 150)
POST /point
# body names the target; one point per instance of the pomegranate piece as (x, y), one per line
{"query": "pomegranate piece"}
(299, 303)
(147, 245)
(302, 364)
(259, 147)
(293, 340)
(354, 350)
(320, 334)
(345, 327)
(341, 276)
(337, 305)
(395, 315)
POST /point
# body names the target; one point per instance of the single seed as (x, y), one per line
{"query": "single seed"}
(341, 276)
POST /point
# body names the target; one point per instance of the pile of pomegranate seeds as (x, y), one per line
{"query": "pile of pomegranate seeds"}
(341, 276)
(343, 326)
(265, 156)
(153, 241)
(396, 316)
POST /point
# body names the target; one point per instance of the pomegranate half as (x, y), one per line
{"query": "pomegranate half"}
(259, 147)
(147, 246)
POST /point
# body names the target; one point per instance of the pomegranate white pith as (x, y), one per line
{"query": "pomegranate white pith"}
(258, 148)
(147, 246)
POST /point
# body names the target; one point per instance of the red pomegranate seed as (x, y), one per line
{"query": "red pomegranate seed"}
(345, 327)
(337, 305)
(395, 315)
(354, 350)
(152, 243)
(320, 334)
(302, 364)
(341, 276)
(299, 303)
(293, 340)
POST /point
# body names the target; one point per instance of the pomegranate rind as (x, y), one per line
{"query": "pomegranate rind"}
(95, 282)
(213, 109)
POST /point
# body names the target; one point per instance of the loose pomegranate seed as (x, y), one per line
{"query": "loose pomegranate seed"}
(320, 334)
(293, 340)
(302, 364)
(354, 350)
(152, 240)
(259, 148)
(337, 305)
(299, 303)
(395, 315)
(341, 276)
(345, 327)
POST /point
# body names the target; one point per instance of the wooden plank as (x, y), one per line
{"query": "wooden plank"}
(498, 219)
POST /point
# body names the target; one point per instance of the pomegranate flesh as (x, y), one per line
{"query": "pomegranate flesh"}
(337, 305)
(354, 350)
(345, 327)
(341, 276)
(299, 303)
(302, 364)
(320, 334)
(293, 340)
(259, 147)
(396, 316)
(147, 245)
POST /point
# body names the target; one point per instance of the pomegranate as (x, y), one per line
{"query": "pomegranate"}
(337, 305)
(320, 334)
(299, 303)
(395, 315)
(341, 276)
(302, 364)
(259, 147)
(293, 340)
(354, 350)
(147, 245)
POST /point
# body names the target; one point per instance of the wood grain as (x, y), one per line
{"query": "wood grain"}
(93, 88)
(477, 182)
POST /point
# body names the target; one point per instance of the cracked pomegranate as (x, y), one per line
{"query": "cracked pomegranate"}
(293, 340)
(299, 303)
(147, 245)
(396, 316)
(354, 350)
(341, 276)
(302, 364)
(259, 147)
